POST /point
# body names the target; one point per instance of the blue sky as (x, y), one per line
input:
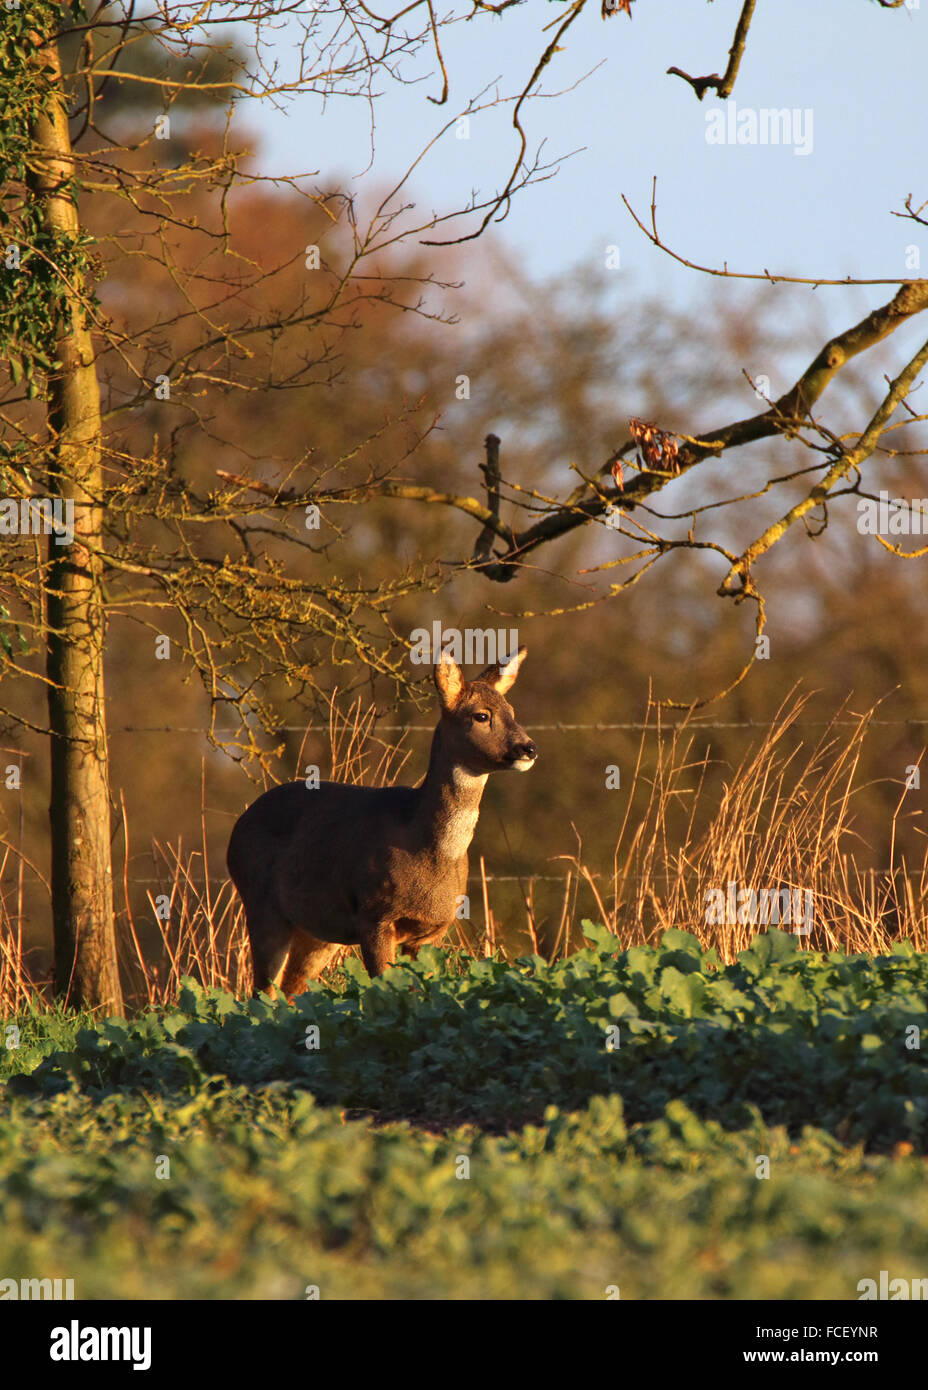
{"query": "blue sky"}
(855, 71)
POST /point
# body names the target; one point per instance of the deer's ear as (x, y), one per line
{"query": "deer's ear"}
(449, 681)
(502, 676)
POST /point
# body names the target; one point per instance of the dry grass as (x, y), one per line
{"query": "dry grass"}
(783, 819)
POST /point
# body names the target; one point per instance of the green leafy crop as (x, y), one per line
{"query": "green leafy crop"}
(639, 1118)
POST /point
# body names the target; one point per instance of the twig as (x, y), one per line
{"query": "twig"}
(723, 85)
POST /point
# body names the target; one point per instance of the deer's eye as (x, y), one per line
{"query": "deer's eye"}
(481, 717)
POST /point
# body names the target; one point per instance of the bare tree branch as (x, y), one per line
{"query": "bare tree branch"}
(723, 85)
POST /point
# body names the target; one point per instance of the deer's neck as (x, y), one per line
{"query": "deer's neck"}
(449, 803)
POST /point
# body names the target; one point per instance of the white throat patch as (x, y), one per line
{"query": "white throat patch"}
(458, 830)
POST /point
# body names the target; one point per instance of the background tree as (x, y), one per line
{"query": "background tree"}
(148, 535)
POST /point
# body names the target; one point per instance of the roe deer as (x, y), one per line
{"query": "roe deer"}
(380, 867)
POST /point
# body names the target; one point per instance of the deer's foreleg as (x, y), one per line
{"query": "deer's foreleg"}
(378, 946)
(306, 961)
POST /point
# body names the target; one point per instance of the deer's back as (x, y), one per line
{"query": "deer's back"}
(326, 852)
(334, 812)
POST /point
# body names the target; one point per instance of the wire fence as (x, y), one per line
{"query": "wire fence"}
(640, 725)
(523, 878)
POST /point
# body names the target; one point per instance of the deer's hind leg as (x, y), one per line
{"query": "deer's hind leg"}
(270, 940)
(306, 961)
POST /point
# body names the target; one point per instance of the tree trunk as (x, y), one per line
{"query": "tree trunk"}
(86, 970)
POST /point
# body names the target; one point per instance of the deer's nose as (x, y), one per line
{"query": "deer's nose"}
(525, 750)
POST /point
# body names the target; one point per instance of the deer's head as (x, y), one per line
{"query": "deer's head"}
(479, 728)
